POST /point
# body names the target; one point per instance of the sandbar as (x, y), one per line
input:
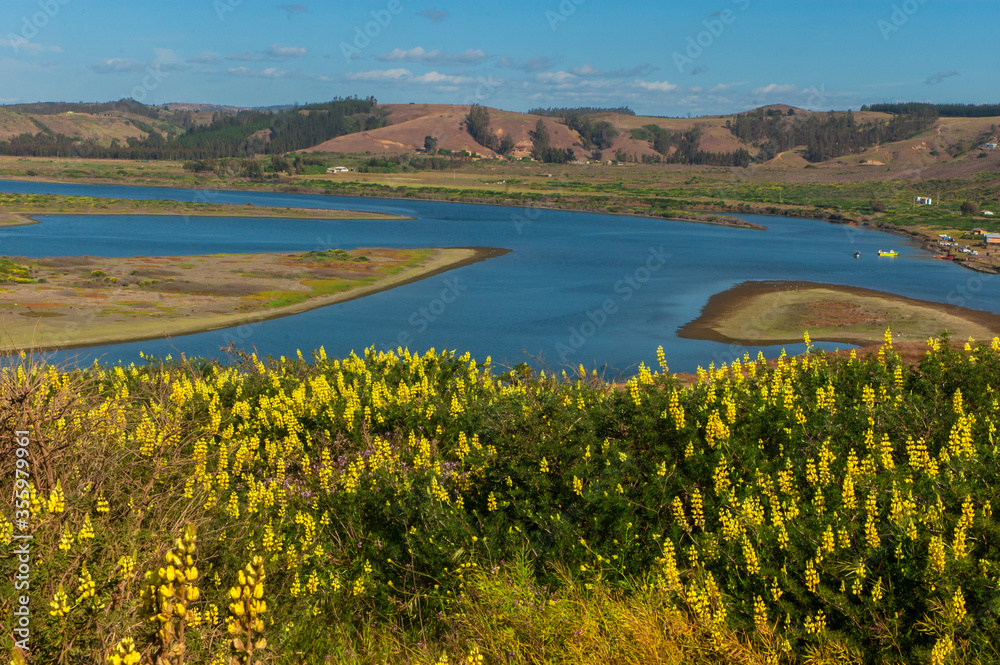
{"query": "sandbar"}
(762, 313)
(23, 209)
(68, 302)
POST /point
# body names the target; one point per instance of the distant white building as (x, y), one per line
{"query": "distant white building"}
(338, 169)
(924, 200)
(987, 213)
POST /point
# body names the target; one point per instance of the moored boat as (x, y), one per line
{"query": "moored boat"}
(891, 252)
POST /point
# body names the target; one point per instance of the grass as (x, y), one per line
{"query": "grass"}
(282, 298)
(14, 272)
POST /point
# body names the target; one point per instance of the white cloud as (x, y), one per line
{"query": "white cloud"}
(31, 48)
(443, 79)
(166, 56)
(279, 52)
(381, 75)
(587, 70)
(269, 73)
(117, 66)
(168, 60)
(273, 52)
(557, 78)
(774, 88)
(435, 57)
(206, 58)
(657, 86)
(402, 75)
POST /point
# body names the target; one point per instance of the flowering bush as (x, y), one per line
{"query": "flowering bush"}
(807, 509)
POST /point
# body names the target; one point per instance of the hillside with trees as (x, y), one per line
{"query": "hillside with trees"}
(879, 134)
(943, 110)
(683, 147)
(825, 135)
(173, 135)
(562, 112)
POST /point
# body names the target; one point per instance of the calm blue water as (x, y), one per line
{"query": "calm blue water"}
(601, 290)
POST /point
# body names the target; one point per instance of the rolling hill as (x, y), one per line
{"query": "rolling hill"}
(947, 146)
(948, 140)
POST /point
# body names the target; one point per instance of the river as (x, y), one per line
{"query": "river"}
(578, 288)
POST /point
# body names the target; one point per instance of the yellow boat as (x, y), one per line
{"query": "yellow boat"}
(891, 252)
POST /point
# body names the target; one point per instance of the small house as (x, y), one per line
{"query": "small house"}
(987, 213)
(992, 238)
(338, 169)
(923, 200)
(978, 232)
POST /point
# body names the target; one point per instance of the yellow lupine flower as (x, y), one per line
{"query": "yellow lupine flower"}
(57, 500)
(124, 653)
(59, 607)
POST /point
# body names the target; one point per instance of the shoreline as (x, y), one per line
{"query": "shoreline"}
(926, 239)
(722, 308)
(294, 188)
(12, 219)
(27, 218)
(445, 260)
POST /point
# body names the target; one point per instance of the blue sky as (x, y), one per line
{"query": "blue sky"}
(660, 58)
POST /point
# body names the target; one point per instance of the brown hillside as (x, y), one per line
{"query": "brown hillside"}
(102, 128)
(14, 124)
(85, 125)
(950, 141)
(411, 123)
